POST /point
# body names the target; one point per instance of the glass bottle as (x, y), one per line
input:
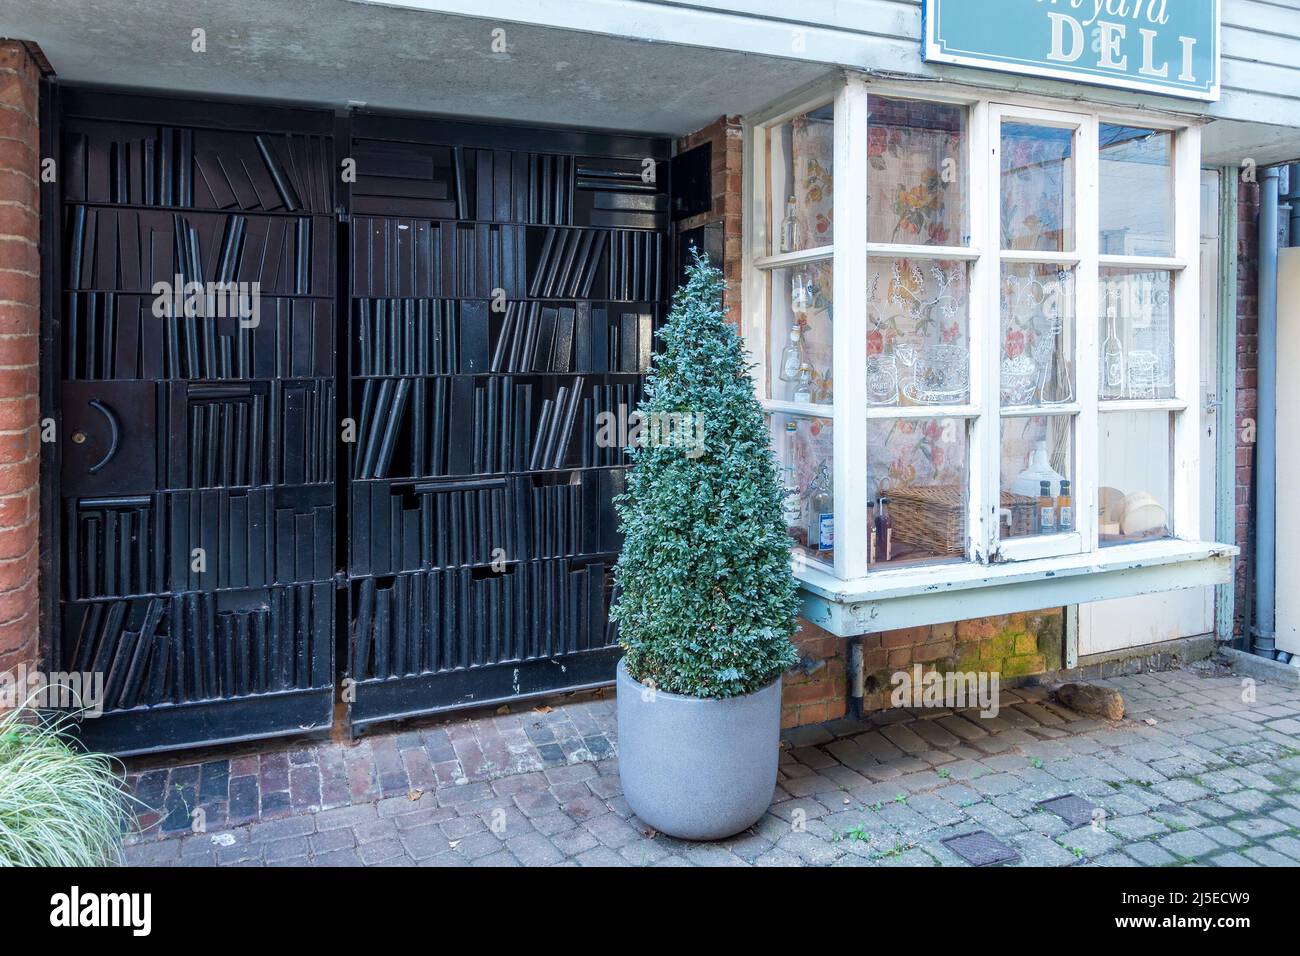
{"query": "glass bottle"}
(801, 292)
(790, 506)
(792, 354)
(1065, 509)
(1046, 509)
(790, 232)
(1112, 360)
(821, 513)
(804, 387)
(884, 531)
(1056, 388)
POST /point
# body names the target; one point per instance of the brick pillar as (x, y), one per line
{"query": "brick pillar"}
(20, 307)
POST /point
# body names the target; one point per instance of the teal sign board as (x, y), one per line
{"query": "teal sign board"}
(1160, 46)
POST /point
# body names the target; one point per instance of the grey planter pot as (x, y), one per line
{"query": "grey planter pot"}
(697, 769)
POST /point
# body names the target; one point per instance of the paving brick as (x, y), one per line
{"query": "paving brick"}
(1135, 827)
(1189, 845)
(280, 829)
(1091, 842)
(1148, 854)
(533, 849)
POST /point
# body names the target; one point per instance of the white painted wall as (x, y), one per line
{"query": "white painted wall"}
(1261, 41)
(1288, 450)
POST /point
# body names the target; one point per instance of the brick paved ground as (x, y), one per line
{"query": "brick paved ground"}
(1193, 773)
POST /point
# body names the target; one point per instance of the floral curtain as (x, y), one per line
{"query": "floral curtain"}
(813, 152)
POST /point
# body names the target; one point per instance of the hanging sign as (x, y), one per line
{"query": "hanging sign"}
(1160, 46)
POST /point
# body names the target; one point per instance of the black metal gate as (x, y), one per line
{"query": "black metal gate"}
(501, 290)
(504, 288)
(196, 519)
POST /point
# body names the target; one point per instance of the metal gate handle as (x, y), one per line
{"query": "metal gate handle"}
(115, 438)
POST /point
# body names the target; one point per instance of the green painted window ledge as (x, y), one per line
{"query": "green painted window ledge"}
(912, 597)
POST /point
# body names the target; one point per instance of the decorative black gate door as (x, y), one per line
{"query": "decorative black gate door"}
(504, 288)
(494, 322)
(195, 527)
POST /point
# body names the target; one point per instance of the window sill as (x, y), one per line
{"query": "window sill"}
(912, 597)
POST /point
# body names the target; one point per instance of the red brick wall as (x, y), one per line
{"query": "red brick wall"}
(727, 138)
(19, 335)
(1247, 377)
(1012, 645)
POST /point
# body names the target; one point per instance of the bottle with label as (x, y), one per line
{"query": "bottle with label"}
(1112, 360)
(790, 509)
(1065, 509)
(790, 237)
(884, 531)
(821, 513)
(871, 531)
(803, 389)
(1046, 509)
(792, 354)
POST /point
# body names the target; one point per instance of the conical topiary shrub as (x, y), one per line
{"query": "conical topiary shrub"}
(706, 599)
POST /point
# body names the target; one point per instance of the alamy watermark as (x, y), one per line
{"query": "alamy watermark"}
(82, 691)
(212, 300)
(624, 429)
(955, 689)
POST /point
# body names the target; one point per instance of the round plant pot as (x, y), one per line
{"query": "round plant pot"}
(697, 769)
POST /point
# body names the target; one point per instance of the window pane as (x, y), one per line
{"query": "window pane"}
(799, 340)
(803, 448)
(800, 191)
(917, 182)
(1037, 476)
(1136, 355)
(918, 327)
(917, 476)
(1137, 190)
(1037, 188)
(1136, 476)
(1038, 304)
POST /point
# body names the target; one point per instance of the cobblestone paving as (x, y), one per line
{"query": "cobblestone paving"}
(1194, 773)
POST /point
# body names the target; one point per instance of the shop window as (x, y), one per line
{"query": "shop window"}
(1019, 287)
(1135, 476)
(804, 449)
(802, 333)
(1137, 191)
(801, 190)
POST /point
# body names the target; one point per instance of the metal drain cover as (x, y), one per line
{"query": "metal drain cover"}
(1075, 811)
(981, 848)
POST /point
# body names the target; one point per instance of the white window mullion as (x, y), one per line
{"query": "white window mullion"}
(989, 170)
(755, 304)
(1187, 337)
(1086, 376)
(982, 502)
(850, 331)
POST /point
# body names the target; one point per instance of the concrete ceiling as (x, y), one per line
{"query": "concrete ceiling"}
(332, 52)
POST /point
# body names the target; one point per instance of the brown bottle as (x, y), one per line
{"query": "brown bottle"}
(1065, 510)
(884, 532)
(1046, 509)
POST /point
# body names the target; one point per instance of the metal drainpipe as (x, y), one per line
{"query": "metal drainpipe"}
(1291, 206)
(1293, 200)
(1266, 420)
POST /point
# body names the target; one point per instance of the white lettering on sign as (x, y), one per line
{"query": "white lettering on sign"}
(1113, 39)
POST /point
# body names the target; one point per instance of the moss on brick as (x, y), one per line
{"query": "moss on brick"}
(1023, 664)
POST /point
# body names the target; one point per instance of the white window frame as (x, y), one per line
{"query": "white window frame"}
(990, 562)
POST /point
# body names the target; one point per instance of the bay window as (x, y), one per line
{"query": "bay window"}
(974, 323)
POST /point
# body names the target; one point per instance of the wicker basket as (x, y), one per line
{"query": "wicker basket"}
(933, 519)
